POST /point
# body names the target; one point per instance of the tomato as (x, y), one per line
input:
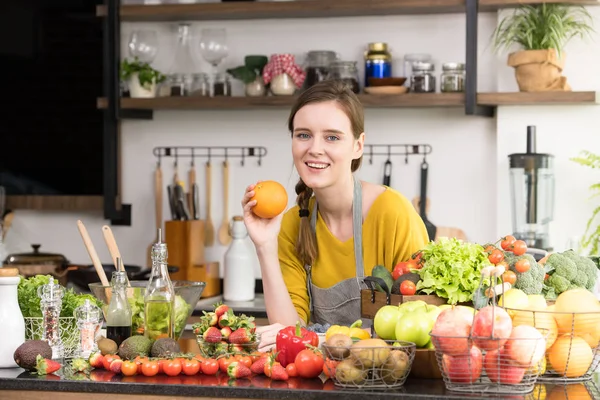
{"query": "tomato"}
(190, 367)
(108, 359)
(150, 368)
(224, 363)
(161, 365)
(496, 256)
(209, 366)
(291, 369)
(329, 367)
(417, 257)
(489, 248)
(522, 265)
(519, 247)
(129, 368)
(309, 363)
(408, 288)
(245, 360)
(172, 367)
(509, 277)
(546, 276)
(256, 355)
(507, 242)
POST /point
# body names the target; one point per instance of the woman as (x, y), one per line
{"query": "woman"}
(314, 256)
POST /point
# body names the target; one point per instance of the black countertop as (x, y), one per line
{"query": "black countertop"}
(257, 387)
(255, 308)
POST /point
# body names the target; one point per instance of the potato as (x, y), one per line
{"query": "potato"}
(395, 367)
(348, 373)
(369, 353)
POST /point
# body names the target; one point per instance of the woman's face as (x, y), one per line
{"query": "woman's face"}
(323, 145)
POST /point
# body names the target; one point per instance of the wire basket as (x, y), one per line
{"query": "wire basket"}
(69, 333)
(370, 366)
(575, 391)
(215, 350)
(572, 344)
(484, 352)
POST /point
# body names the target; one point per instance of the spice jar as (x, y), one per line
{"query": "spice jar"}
(378, 62)
(177, 85)
(200, 85)
(422, 79)
(89, 321)
(318, 63)
(221, 85)
(347, 72)
(51, 304)
(452, 78)
(284, 75)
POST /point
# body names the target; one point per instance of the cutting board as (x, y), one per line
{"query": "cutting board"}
(442, 231)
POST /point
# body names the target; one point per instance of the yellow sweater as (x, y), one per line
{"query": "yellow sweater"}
(392, 232)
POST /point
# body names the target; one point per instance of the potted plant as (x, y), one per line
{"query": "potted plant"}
(141, 78)
(251, 74)
(541, 31)
(591, 236)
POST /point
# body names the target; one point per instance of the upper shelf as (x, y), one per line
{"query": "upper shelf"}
(309, 9)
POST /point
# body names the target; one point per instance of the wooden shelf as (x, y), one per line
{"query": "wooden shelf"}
(70, 203)
(537, 98)
(242, 102)
(309, 9)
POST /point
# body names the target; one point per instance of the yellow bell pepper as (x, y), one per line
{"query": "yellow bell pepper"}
(353, 331)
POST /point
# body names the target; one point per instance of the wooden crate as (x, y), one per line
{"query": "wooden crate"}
(425, 365)
(372, 300)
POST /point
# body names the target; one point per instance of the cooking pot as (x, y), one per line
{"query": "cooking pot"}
(57, 265)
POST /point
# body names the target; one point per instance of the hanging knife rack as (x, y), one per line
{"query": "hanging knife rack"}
(210, 152)
(390, 150)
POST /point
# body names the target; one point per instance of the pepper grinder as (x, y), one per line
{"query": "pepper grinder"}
(51, 296)
(89, 319)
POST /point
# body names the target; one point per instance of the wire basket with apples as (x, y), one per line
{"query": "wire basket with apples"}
(484, 352)
(573, 340)
(367, 363)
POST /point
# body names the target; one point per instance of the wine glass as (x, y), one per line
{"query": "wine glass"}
(213, 45)
(143, 44)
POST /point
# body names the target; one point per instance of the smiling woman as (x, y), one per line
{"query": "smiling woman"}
(313, 257)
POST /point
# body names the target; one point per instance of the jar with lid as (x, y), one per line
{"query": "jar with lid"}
(422, 79)
(317, 66)
(378, 62)
(11, 318)
(452, 78)
(347, 72)
(409, 60)
(238, 280)
(177, 85)
(221, 85)
(200, 85)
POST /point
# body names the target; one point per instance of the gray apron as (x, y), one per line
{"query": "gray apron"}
(340, 304)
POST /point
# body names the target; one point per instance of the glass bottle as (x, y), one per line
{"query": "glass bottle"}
(183, 64)
(118, 315)
(160, 295)
(238, 280)
(345, 71)
(51, 296)
(89, 319)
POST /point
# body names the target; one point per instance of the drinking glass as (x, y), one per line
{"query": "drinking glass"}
(143, 44)
(213, 45)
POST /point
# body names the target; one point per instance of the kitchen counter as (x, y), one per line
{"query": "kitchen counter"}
(255, 308)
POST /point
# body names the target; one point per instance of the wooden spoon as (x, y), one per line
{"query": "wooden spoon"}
(7, 223)
(92, 253)
(209, 238)
(224, 237)
(157, 210)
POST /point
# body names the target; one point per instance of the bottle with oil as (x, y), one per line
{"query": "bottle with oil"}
(118, 315)
(160, 296)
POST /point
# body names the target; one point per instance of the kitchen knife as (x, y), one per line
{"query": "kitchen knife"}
(196, 200)
(172, 202)
(184, 212)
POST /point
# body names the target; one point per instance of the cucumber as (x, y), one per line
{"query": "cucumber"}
(382, 272)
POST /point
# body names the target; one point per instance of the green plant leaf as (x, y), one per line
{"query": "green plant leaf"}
(146, 74)
(256, 62)
(243, 73)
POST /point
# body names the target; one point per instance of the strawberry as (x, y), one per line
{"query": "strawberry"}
(258, 366)
(79, 365)
(236, 348)
(96, 360)
(211, 319)
(115, 366)
(212, 335)
(240, 336)
(225, 332)
(236, 370)
(220, 309)
(278, 373)
(45, 366)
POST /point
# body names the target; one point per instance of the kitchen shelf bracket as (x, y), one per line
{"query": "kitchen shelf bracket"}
(471, 106)
(118, 214)
(210, 152)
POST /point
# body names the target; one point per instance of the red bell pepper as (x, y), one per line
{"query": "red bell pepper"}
(291, 340)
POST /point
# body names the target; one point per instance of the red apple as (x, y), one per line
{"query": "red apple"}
(491, 328)
(464, 368)
(526, 346)
(500, 369)
(451, 331)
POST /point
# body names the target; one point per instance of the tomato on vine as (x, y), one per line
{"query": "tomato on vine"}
(519, 247)
(522, 265)
(507, 242)
(496, 257)
(509, 276)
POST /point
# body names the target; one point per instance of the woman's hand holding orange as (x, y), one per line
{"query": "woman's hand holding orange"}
(262, 231)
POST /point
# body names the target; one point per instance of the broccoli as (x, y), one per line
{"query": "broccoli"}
(568, 270)
(531, 281)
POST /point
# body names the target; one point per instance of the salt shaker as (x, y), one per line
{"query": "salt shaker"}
(89, 319)
(51, 296)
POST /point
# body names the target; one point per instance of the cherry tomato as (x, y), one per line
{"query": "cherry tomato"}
(522, 265)
(509, 277)
(507, 242)
(309, 363)
(190, 367)
(329, 367)
(209, 366)
(546, 276)
(224, 363)
(245, 360)
(161, 365)
(519, 247)
(129, 368)
(408, 288)
(489, 248)
(496, 256)
(172, 367)
(108, 359)
(150, 368)
(291, 370)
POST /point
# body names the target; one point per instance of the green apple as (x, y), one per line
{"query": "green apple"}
(411, 306)
(414, 327)
(385, 322)
(433, 312)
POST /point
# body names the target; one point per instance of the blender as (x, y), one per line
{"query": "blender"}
(532, 192)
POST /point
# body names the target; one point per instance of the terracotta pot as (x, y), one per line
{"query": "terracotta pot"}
(539, 70)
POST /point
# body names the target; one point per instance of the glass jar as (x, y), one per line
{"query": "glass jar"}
(345, 71)
(177, 85)
(409, 60)
(452, 78)
(200, 85)
(317, 67)
(378, 62)
(422, 79)
(221, 85)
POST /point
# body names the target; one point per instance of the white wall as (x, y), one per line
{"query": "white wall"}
(468, 184)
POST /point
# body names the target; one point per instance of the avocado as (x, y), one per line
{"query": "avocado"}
(164, 347)
(26, 354)
(379, 271)
(135, 346)
(411, 276)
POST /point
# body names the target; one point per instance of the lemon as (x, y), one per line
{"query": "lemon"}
(514, 299)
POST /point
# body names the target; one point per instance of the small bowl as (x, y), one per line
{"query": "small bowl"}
(213, 350)
(386, 90)
(399, 81)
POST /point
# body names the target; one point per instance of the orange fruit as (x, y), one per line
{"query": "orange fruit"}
(271, 199)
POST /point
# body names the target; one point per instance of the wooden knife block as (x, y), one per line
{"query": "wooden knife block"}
(209, 273)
